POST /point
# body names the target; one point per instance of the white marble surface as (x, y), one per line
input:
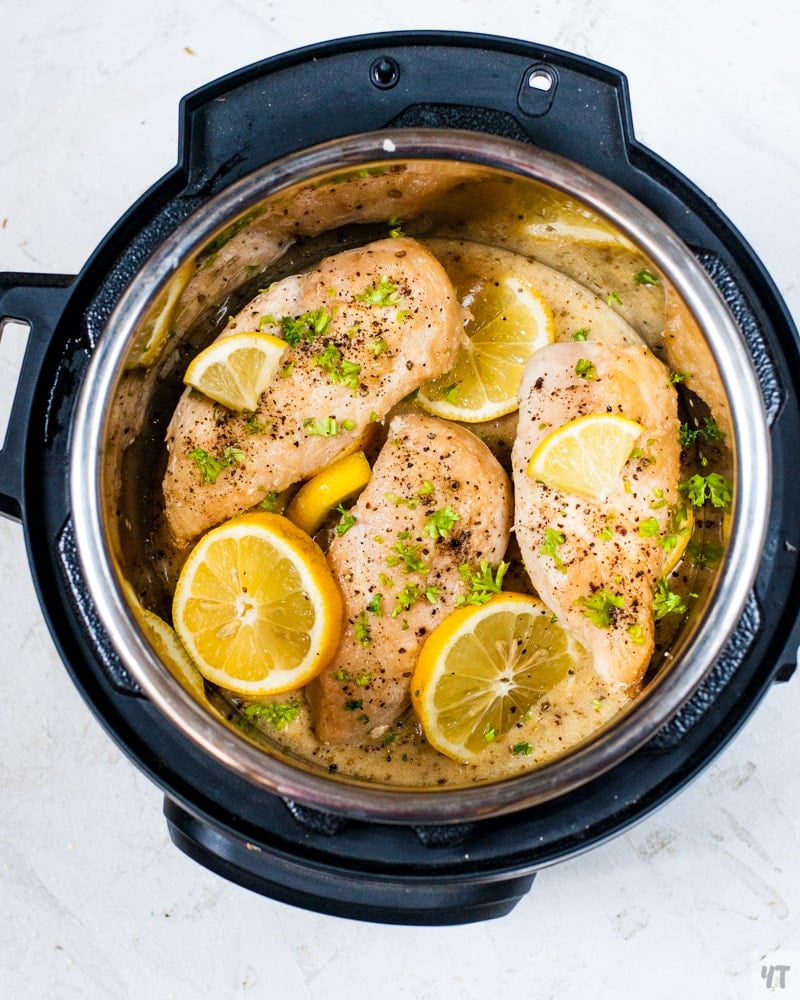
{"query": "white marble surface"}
(94, 900)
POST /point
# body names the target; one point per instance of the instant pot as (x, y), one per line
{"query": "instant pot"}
(470, 102)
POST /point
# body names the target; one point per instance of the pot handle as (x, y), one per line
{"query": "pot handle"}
(38, 301)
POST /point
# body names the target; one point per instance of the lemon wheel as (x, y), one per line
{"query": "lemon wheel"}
(510, 320)
(483, 668)
(256, 606)
(235, 370)
(170, 651)
(585, 456)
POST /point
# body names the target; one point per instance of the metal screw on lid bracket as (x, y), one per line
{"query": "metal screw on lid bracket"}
(384, 72)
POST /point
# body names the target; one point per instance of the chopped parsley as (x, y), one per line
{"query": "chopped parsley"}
(450, 393)
(710, 431)
(600, 607)
(307, 326)
(395, 227)
(347, 520)
(440, 523)
(522, 749)
(398, 501)
(210, 467)
(667, 601)
(382, 293)
(254, 425)
(552, 540)
(645, 277)
(375, 605)
(650, 528)
(354, 704)
(338, 369)
(676, 377)
(362, 630)
(614, 299)
(586, 370)
(270, 502)
(326, 426)
(407, 555)
(490, 734)
(713, 488)
(582, 334)
(409, 595)
(360, 680)
(278, 715)
(636, 632)
(481, 583)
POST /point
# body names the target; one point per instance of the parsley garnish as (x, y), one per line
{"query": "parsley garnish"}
(360, 680)
(398, 501)
(338, 369)
(306, 327)
(451, 393)
(326, 426)
(347, 521)
(599, 608)
(440, 523)
(408, 555)
(395, 227)
(614, 299)
(582, 334)
(650, 528)
(211, 467)
(270, 502)
(667, 601)
(645, 277)
(362, 632)
(481, 583)
(375, 605)
(382, 293)
(522, 749)
(278, 715)
(708, 432)
(409, 595)
(637, 634)
(586, 370)
(552, 540)
(712, 488)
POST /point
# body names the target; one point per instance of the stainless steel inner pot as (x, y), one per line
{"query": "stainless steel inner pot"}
(284, 217)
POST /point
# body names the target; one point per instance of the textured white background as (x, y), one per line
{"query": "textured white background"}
(94, 901)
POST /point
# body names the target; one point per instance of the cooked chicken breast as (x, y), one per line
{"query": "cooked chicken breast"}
(596, 563)
(437, 500)
(367, 326)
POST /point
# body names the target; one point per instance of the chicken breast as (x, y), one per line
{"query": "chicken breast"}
(366, 327)
(595, 564)
(437, 500)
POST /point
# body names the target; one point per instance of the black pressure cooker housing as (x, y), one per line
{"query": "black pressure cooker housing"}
(324, 861)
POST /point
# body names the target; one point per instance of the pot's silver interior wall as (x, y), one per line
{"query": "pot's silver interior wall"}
(698, 900)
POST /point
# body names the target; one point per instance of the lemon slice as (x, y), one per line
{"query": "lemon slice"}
(235, 370)
(585, 456)
(171, 653)
(336, 483)
(510, 320)
(157, 325)
(483, 668)
(257, 607)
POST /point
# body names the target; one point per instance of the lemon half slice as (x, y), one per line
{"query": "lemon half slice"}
(585, 456)
(235, 370)
(336, 483)
(257, 607)
(483, 668)
(172, 654)
(510, 320)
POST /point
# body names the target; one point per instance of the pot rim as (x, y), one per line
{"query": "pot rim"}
(647, 712)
